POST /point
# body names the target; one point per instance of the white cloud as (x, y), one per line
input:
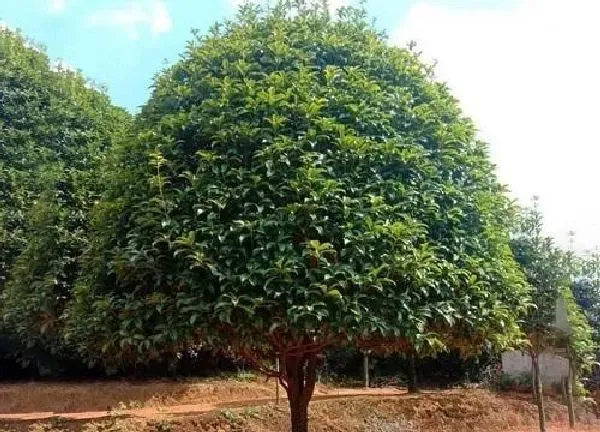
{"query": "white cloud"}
(528, 75)
(133, 16)
(57, 6)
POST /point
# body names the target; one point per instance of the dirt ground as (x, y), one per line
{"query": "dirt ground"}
(248, 406)
(110, 395)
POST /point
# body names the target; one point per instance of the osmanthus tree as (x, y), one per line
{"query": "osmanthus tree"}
(550, 271)
(586, 289)
(54, 130)
(295, 184)
(586, 292)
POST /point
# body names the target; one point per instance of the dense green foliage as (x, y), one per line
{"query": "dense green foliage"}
(550, 272)
(586, 290)
(294, 185)
(296, 181)
(54, 130)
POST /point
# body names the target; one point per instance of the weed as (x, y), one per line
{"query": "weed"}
(246, 377)
(251, 412)
(59, 423)
(162, 426)
(119, 407)
(42, 427)
(230, 416)
(135, 404)
(378, 424)
(112, 425)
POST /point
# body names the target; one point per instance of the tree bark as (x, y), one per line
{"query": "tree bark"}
(413, 386)
(533, 381)
(298, 379)
(366, 370)
(570, 382)
(277, 382)
(299, 417)
(540, 392)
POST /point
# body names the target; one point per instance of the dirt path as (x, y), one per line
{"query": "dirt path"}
(156, 413)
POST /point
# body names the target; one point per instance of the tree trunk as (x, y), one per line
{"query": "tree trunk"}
(298, 379)
(366, 370)
(299, 417)
(570, 382)
(540, 392)
(413, 386)
(277, 382)
(534, 381)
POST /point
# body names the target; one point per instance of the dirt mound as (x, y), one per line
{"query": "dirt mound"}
(110, 395)
(451, 411)
(236, 405)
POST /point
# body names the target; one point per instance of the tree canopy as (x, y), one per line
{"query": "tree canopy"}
(54, 131)
(551, 272)
(586, 293)
(294, 183)
(586, 290)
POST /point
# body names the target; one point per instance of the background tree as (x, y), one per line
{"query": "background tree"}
(55, 129)
(296, 184)
(549, 271)
(586, 292)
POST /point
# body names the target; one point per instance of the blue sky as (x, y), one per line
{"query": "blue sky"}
(525, 70)
(123, 43)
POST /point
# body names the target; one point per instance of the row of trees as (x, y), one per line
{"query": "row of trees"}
(558, 322)
(293, 184)
(55, 131)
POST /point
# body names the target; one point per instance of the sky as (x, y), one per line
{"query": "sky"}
(525, 70)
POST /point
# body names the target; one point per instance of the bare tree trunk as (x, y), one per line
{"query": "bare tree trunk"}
(413, 386)
(299, 416)
(299, 382)
(533, 381)
(366, 370)
(277, 397)
(570, 383)
(540, 392)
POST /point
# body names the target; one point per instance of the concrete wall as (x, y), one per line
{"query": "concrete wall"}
(552, 367)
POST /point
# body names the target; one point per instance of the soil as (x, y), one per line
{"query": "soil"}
(236, 406)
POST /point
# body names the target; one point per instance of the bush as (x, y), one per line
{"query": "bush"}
(520, 383)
